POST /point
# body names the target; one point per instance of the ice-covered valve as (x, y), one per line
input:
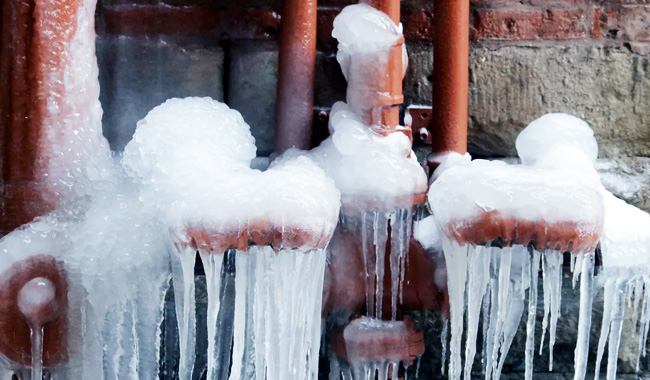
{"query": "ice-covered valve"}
(37, 302)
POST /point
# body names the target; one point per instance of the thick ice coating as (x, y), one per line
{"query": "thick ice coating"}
(361, 29)
(626, 235)
(467, 199)
(192, 156)
(557, 131)
(365, 164)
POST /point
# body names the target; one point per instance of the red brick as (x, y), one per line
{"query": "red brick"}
(529, 24)
(630, 22)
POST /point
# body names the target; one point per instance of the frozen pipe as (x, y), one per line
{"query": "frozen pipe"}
(33, 302)
(386, 113)
(50, 115)
(450, 78)
(296, 72)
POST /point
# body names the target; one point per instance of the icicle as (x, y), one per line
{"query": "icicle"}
(552, 271)
(584, 322)
(456, 259)
(510, 304)
(478, 278)
(417, 367)
(443, 339)
(381, 237)
(576, 269)
(645, 321)
(532, 313)
(37, 352)
(503, 296)
(400, 223)
(493, 316)
(486, 323)
(610, 289)
(638, 289)
(184, 294)
(213, 263)
(615, 330)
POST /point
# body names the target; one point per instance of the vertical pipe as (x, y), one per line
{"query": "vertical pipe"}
(450, 76)
(388, 115)
(296, 72)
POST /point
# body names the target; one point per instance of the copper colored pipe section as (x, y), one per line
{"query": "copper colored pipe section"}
(450, 76)
(491, 226)
(386, 112)
(33, 62)
(296, 72)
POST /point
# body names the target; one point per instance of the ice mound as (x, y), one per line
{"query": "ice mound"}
(193, 158)
(365, 164)
(554, 133)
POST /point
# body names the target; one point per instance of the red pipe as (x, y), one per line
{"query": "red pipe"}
(388, 100)
(33, 64)
(450, 76)
(296, 73)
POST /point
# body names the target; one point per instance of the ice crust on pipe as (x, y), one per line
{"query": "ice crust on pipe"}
(77, 152)
(193, 158)
(467, 192)
(367, 39)
(366, 164)
(626, 236)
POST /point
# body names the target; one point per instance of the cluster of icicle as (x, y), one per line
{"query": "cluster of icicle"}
(370, 171)
(625, 277)
(556, 183)
(192, 157)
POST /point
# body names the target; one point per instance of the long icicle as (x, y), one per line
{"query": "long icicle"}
(584, 322)
(478, 278)
(532, 313)
(456, 259)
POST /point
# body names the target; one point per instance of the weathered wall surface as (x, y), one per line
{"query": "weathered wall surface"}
(528, 57)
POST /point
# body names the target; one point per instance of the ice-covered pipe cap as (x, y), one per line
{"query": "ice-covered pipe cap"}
(543, 137)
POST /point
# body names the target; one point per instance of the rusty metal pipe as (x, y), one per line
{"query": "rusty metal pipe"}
(296, 72)
(384, 115)
(450, 76)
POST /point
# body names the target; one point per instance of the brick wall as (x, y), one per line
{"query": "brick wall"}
(528, 57)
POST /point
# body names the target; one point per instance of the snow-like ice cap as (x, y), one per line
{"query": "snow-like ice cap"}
(557, 139)
(192, 157)
(363, 29)
(625, 242)
(366, 164)
(202, 128)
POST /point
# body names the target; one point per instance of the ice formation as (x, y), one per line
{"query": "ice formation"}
(625, 276)
(114, 324)
(377, 173)
(192, 157)
(499, 220)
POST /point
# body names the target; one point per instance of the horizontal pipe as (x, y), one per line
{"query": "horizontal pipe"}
(296, 73)
(450, 76)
